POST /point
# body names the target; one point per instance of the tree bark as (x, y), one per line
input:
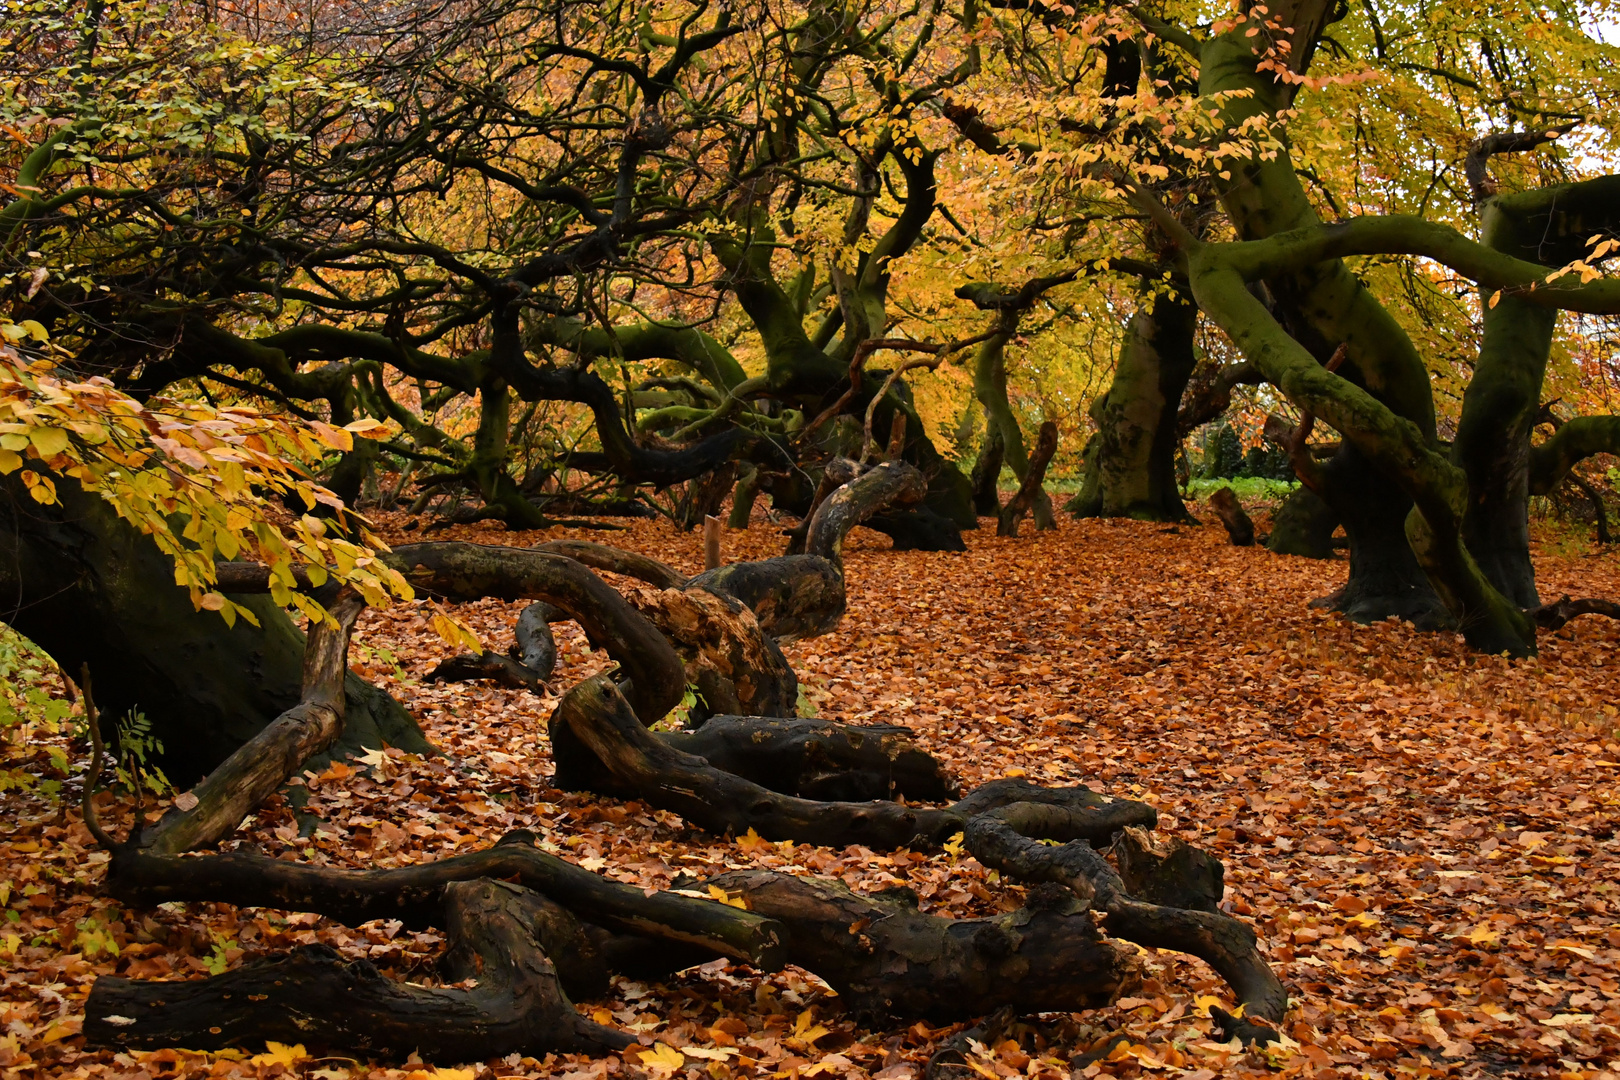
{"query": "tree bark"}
(1131, 462)
(719, 635)
(986, 477)
(461, 571)
(792, 596)
(534, 646)
(743, 497)
(888, 960)
(1554, 616)
(632, 762)
(819, 759)
(239, 784)
(413, 894)
(616, 561)
(494, 666)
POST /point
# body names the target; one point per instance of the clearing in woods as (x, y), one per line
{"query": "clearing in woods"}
(1422, 836)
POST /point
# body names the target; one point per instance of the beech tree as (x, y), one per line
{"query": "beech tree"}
(1332, 286)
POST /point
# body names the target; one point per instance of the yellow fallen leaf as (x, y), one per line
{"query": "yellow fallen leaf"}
(717, 893)
(663, 1056)
(279, 1053)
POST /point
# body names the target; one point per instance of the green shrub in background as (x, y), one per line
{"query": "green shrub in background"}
(1249, 489)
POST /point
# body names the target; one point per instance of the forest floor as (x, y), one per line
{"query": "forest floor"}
(1423, 838)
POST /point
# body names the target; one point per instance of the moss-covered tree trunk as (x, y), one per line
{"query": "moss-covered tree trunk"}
(1131, 460)
(1303, 525)
(990, 387)
(88, 588)
(1325, 306)
(1503, 399)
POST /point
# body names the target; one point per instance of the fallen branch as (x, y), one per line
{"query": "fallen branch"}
(1553, 616)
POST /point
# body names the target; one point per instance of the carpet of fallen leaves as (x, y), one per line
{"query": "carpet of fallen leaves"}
(1424, 838)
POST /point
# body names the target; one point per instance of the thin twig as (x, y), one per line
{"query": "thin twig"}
(87, 807)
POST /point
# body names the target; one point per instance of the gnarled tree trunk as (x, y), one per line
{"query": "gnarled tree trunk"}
(1131, 461)
(89, 589)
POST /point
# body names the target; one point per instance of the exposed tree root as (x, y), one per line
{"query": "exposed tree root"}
(594, 719)
(461, 571)
(532, 929)
(1008, 840)
(792, 596)
(494, 666)
(818, 759)
(515, 1004)
(616, 561)
(245, 779)
(733, 662)
(535, 647)
(887, 959)
(893, 483)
